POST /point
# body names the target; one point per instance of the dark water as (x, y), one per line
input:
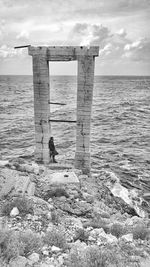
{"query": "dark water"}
(120, 132)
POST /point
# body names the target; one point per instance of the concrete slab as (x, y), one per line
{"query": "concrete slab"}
(58, 166)
(63, 178)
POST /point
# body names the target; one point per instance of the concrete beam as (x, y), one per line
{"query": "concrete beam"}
(63, 53)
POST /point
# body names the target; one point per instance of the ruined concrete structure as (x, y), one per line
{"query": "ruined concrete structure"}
(85, 80)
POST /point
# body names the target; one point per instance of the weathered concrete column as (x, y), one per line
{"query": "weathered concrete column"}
(84, 107)
(41, 106)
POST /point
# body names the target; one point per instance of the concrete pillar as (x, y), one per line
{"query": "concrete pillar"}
(84, 107)
(41, 107)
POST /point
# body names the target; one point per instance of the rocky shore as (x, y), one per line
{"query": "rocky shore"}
(53, 216)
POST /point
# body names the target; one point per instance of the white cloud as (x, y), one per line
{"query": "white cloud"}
(89, 34)
(23, 34)
(138, 50)
(9, 52)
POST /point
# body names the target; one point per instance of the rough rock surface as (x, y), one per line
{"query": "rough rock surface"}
(71, 221)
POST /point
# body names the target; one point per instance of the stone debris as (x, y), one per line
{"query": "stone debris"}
(129, 197)
(15, 184)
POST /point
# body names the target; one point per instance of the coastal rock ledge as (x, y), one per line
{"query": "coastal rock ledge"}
(62, 218)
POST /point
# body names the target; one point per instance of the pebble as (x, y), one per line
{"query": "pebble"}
(14, 212)
(49, 215)
(55, 249)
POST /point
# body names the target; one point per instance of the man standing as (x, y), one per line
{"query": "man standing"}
(52, 149)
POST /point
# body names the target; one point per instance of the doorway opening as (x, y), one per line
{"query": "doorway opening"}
(63, 105)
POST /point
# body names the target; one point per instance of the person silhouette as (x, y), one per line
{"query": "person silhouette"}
(52, 149)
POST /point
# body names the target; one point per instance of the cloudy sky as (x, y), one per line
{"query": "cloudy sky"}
(121, 28)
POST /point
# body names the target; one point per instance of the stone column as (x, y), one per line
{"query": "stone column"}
(84, 107)
(41, 107)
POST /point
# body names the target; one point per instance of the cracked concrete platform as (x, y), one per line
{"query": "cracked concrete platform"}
(63, 178)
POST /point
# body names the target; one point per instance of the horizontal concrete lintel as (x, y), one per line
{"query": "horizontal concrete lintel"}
(71, 51)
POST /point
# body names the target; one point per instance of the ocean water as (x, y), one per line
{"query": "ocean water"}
(120, 129)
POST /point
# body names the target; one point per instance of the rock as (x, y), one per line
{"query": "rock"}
(50, 227)
(18, 262)
(40, 205)
(35, 218)
(14, 212)
(30, 189)
(128, 237)
(73, 194)
(9, 180)
(79, 208)
(100, 236)
(33, 258)
(145, 262)
(129, 198)
(87, 197)
(60, 260)
(97, 212)
(49, 215)
(55, 249)
(36, 168)
(62, 198)
(45, 250)
(29, 217)
(4, 163)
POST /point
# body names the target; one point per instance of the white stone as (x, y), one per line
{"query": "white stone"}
(55, 249)
(128, 237)
(18, 262)
(14, 212)
(99, 233)
(49, 215)
(36, 168)
(3, 163)
(34, 257)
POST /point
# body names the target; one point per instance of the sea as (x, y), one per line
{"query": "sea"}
(120, 123)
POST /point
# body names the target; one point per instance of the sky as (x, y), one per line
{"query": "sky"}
(121, 29)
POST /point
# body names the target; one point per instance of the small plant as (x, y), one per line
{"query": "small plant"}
(23, 204)
(117, 230)
(9, 245)
(141, 232)
(55, 217)
(55, 238)
(30, 241)
(55, 192)
(91, 256)
(13, 244)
